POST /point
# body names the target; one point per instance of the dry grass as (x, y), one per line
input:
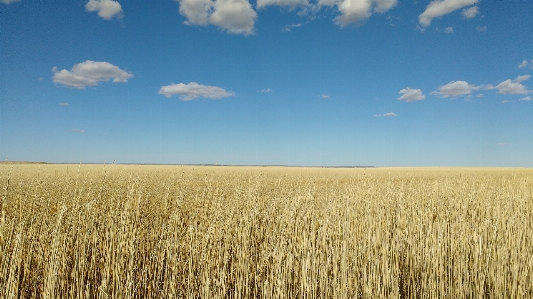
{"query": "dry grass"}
(264, 232)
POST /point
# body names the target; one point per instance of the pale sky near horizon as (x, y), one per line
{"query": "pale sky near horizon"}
(284, 82)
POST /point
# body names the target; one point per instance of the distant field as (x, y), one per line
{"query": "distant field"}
(114, 231)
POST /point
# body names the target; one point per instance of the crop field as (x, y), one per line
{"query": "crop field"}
(116, 231)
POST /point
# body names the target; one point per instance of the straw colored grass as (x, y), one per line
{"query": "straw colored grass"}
(94, 231)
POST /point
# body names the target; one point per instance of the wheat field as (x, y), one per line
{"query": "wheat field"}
(115, 231)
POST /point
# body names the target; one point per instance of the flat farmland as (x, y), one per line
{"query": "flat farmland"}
(131, 231)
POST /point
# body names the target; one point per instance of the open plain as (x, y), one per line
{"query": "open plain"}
(116, 231)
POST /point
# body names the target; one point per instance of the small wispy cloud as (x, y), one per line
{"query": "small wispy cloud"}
(8, 1)
(194, 90)
(439, 8)
(289, 27)
(77, 131)
(469, 13)
(63, 104)
(285, 3)
(506, 101)
(481, 28)
(523, 64)
(502, 143)
(388, 114)
(448, 30)
(266, 90)
(528, 98)
(324, 96)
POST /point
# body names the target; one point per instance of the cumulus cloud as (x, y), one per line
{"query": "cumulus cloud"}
(455, 88)
(266, 90)
(411, 95)
(528, 98)
(512, 86)
(233, 16)
(106, 9)
(90, 73)
(356, 11)
(289, 3)
(8, 1)
(353, 11)
(194, 90)
(523, 64)
(196, 11)
(438, 8)
(469, 13)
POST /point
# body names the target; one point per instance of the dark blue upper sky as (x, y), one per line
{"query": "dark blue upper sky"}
(328, 82)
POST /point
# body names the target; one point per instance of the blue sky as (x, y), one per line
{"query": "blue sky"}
(290, 82)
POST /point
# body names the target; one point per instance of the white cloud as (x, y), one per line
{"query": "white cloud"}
(523, 64)
(384, 5)
(77, 131)
(327, 3)
(9, 1)
(266, 90)
(194, 90)
(289, 3)
(455, 88)
(388, 114)
(356, 11)
(481, 28)
(324, 96)
(234, 16)
(411, 95)
(90, 73)
(438, 8)
(506, 101)
(63, 104)
(512, 86)
(528, 98)
(353, 11)
(469, 13)
(448, 30)
(522, 78)
(502, 143)
(196, 11)
(291, 26)
(106, 9)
